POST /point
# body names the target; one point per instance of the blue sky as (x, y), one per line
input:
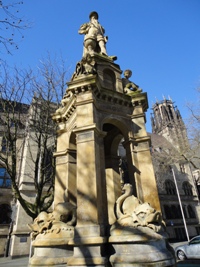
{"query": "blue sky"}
(159, 40)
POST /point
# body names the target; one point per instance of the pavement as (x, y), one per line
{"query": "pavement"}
(8, 262)
(23, 262)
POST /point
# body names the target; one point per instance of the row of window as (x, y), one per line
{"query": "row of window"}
(174, 212)
(171, 189)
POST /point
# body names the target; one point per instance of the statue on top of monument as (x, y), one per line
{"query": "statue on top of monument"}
(94, 40)
(129, 86)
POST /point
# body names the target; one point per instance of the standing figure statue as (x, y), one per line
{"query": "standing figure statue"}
(94, 40)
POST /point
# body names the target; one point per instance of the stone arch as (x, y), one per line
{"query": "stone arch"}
(115, 131)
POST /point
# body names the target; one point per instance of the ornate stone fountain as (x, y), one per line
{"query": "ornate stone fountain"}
(101, 216)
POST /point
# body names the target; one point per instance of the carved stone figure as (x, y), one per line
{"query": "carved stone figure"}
(130, 211)
(94, 35)
(61, 219)
(84, 67)
(129, 87)
(123, 171)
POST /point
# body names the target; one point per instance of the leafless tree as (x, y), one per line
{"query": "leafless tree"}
(193, 128)
(12, 24)
(27, 102)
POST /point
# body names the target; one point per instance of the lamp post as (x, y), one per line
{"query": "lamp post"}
(179, 199)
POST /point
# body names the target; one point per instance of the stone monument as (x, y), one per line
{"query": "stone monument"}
(106, 213)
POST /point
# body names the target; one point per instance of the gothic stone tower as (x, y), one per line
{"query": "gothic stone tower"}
(167, 121)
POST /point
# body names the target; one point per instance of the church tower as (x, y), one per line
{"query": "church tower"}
(167, 122)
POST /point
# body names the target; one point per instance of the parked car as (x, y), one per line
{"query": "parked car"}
(191, 250)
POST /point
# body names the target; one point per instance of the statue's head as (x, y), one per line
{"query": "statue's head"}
(94, 14)
(127, 74)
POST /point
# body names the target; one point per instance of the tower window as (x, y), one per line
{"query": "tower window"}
(170, 112)
(182, 168)
(187, 189)
(170, 187)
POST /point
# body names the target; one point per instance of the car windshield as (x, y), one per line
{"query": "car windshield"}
(196, 240)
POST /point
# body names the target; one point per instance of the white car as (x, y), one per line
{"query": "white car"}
(191, 250)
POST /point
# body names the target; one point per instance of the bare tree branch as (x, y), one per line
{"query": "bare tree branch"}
(12, 25)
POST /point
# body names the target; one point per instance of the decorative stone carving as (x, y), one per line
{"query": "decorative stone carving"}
(84, 67)
(138, 237)
(123, 171)
(61, 220)
(129, 86)
(131, 212)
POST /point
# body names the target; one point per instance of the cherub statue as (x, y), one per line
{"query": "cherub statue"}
(129, 86)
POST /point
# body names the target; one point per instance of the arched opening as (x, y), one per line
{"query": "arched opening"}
(118, 163)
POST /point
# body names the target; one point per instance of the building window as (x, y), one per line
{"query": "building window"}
(180, 234)
(185, 211)
(191, 212)
(170, 112)
(172, 212)
(170, 187)
(198, 230)
(187, 188)
(5, 181)
(5, 145)
(182, 168)
(168, 213)
(5, 214)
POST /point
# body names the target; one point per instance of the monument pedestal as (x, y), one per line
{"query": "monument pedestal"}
(140, 247)
(51, 251)
(88, 246)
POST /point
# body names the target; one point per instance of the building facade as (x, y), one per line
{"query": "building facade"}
(176, 182)
(30, 137)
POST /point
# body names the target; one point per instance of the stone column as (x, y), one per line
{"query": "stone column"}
(140, 152)
(91, 199)
(113, 185)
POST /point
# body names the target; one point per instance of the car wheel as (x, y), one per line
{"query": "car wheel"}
(181, 255)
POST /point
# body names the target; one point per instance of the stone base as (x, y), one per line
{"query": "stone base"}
(51, 248)
(50, 256)
(140, 247)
